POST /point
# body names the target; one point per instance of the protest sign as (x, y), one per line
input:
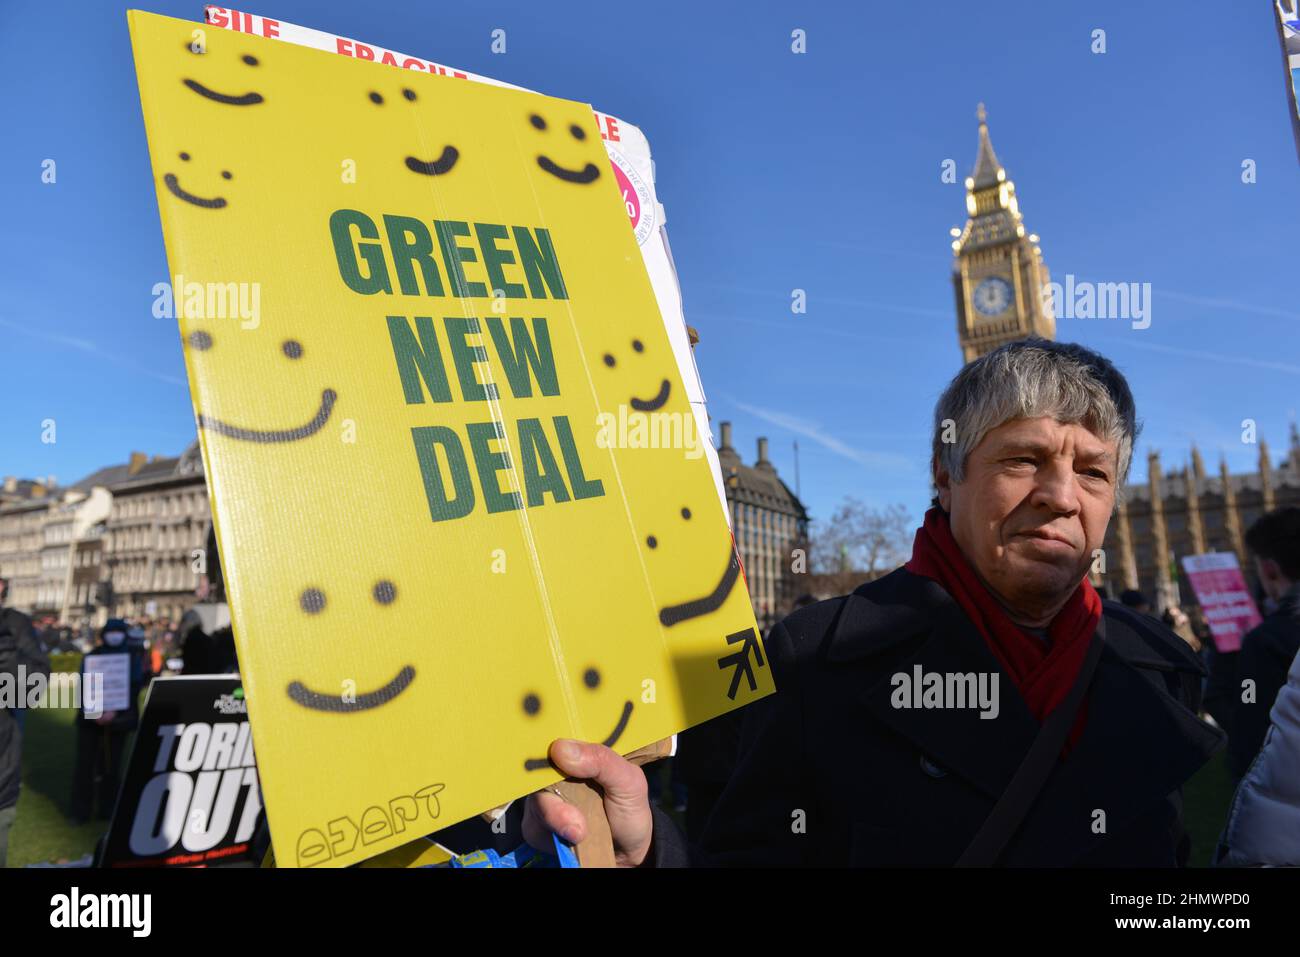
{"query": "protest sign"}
(190, 797)
(630, 160)
(1287, 14)
(1223, 596)
(440, 555)
(110, 673)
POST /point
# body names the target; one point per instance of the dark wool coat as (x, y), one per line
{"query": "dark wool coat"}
(830, 772)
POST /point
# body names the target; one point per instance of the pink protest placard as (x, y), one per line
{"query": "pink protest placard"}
(1224, 598)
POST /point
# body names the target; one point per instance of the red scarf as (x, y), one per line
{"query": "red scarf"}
(1042, 676)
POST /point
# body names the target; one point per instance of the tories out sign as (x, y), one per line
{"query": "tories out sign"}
(190, 797)
(437, 561)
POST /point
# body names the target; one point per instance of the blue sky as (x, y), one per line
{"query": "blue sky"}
(779, 171)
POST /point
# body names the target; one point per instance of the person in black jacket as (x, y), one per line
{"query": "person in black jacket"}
(21, 656)
(980, 706)
(1261, 666)
(101, 734)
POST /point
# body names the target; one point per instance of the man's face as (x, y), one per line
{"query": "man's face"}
(1034, 505)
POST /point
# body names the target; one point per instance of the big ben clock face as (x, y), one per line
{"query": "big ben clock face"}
(992, 296)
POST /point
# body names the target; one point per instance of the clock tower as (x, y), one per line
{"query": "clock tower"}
(998, 270)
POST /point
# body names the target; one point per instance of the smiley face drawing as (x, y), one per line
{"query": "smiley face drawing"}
(202, 341)
(587, 174)
(442, 164)
(591, 679)
(251, 98)
(312, 601)
(656, 401)
(173, 184)
(700, 605)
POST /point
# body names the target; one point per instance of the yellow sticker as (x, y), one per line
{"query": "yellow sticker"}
(461, 506)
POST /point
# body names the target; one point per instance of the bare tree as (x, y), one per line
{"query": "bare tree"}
(860, 542)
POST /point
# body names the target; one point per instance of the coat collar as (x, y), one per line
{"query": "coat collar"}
(899, 607)
(1139, 743)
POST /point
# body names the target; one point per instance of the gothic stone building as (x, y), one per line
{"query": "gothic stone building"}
(1187, 512)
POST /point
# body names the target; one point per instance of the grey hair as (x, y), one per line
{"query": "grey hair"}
(1027, 379)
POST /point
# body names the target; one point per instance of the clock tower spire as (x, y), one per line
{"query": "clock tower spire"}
(998, 271)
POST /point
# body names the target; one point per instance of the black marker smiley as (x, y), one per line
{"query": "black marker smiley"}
(292, 349)
(676, 614)
(434, 167)
(244, 99)
(655, 402)
(337, 704)
(438, 167)
(173, 184)
(591, 678)
(268, 436)
(312, 601)
(588, 174)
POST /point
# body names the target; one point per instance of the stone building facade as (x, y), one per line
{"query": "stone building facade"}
(39, 536)
(126, 541)
(768, 522)
(155, 537)
(22, 542)
(1190, 512)
(84, 606)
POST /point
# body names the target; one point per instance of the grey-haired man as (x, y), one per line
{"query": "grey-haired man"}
(979, 706)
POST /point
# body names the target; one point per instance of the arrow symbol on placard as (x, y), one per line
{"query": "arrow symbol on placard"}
(740, 660)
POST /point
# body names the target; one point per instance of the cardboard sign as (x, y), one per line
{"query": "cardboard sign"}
(631, 163)
(1223, 596)
(441, 553)
(190, 797)
(1287, 14)
(112, 675)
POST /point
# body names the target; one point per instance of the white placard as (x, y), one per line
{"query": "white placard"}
(114, 678)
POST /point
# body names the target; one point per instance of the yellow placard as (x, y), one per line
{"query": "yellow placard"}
(461, 507)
